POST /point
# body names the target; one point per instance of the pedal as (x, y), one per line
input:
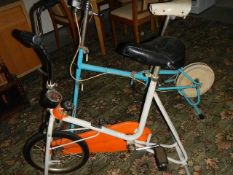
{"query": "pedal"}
(161, 158)
(68, 106)
(201, 116)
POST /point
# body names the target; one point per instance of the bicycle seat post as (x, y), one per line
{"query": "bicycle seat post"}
(171, 9)
(156, 72)
(78, 5)
(165, 25)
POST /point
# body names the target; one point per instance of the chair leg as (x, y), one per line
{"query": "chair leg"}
(125, 29)
(136, 33)
(72, 35)
(114, 40)
(99, 28)
(57, 36)
(140, 31)
(69, 32)
(154, 23)
(101, 34)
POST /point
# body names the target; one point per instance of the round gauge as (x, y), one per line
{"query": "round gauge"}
(54, 96)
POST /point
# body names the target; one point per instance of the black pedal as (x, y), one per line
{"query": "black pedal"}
(201, 116)
(161, 158)
(67, 105)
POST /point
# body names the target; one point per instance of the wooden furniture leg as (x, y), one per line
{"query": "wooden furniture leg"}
(57, 36)
(99, 28)
(152, 24)
(136, 33)
(114, 39)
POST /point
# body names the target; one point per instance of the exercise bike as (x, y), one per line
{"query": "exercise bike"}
(62, 151)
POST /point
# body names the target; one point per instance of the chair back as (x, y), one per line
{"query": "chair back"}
(134, 10)
(57, 10)
(61, 13)
(134, 14)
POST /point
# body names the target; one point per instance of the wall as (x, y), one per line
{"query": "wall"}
(46, 21)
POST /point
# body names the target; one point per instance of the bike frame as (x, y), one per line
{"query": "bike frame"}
(138, 135)
(81, 66)
(143, 76)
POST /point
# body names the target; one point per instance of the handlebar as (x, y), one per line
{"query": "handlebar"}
(30, 39)
(27, 38)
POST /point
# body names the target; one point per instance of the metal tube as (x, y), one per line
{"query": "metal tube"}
(47, 161)
(171, 127)
(85, 18)
(89, 67)
(165, 25)
(143, 118)
(76, 85)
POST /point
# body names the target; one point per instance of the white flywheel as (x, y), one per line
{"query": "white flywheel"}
(199, 72)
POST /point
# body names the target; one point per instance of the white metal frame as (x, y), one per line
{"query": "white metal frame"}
(151, 94)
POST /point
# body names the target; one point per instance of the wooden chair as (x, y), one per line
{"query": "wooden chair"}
(12, 94)
(61, 15)
(99, 23)
(133, 14)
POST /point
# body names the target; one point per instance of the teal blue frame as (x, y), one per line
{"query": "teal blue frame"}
(139, 76)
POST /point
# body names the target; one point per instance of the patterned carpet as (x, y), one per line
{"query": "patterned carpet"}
(208, 142)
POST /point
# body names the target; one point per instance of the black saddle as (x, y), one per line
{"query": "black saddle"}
(162, 51)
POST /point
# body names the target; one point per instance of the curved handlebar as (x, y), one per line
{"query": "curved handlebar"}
(27, 38)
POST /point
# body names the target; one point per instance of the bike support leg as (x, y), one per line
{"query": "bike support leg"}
(48, 142)
(179, 147)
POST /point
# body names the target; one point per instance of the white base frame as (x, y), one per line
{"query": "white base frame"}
(151, 94)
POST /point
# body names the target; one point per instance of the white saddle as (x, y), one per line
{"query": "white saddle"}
(179, 8)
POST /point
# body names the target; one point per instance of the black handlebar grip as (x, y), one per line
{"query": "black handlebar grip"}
(29, 39)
